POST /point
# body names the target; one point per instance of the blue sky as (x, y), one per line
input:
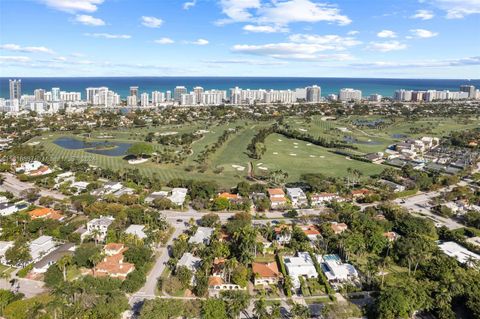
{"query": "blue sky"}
(317, 38)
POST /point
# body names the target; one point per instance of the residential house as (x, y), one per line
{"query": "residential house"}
(460, 253)
(217, 281)
(319, 199)
(266, 274)
(376, 158)
(41, 247)
(137, 231)
(113, 264)
(338, 228)
(190, 261)
(297, 197)
(283, 234)
(4, 246)
(98, 227)
(108, 188)
(45, 213)
(392, 186)
(7, 209)
(178, 196)
(43, 264)
(336, 271)
(359, 193)
(277, 198)
(311, 231)
(155, 195)
(391, 236)
(202, 236)
(300, 265)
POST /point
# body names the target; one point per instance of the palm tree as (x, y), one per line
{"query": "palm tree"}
(260, 308)
(300, 311)
(63, 263)
(230, 264)
(275, 312)
(95, 259)
(96, 233)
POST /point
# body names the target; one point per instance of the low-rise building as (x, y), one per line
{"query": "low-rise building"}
(339, 228)
(4, 246)
(266, 273)
(7, 209)
(283, 234)
(297, 197)
(311, 231)
(178, 195)
(336, 271)
(277, 198)
(113, 264)
(190, 261)
(98, 227)
(301, 265)
(319, 199)
(137, 231)
(392, 186)
(44, 263)
(41, 247)
(460, 253)
(45, 213)
(202, 236)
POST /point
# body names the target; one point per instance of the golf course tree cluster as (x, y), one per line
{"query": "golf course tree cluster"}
(140, 150)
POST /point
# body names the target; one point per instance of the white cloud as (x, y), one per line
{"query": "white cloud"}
(387, 46)
(199, 42)
(457, 9)
(281, 13)
(303, 47)
(475, 60)
(353, 32)
(386, 34)
(189, 4)
(108, 35)
(10, 58)
(73, 6)
(423, 14)
(264, 28)
(249, 62)
(422, 33)
(30, 49)
(151, 22)
(89, 20)
(164, 41)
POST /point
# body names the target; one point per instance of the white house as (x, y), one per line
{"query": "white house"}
(7, 209)
(178, 195)
(393, 186)
(41, 246)
(29, 166)
(99, 225)
(189, 261)
(319, 199)
(136, 230)
(297, 196)
(202, 236)
(4, 246)
(460, 253)
(44, 263)
(300, 265)
(336, 271)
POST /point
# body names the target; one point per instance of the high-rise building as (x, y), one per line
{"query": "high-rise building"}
(375, 97)
(188, 99)
(15, 89)
(55, 94)
(39, 94)
(168, 96)
(350, 95)
(177, 93)
(144, 100)
(470, 89)
(198, 90)
(134, 91)
(301, 94)
(132, 100)
(314, 94)
(157, 97)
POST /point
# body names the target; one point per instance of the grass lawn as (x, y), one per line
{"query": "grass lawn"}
(265, 258)
(298, 157)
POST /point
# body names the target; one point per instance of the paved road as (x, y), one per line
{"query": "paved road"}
(148, 290)
(13, 185)
(30, 288)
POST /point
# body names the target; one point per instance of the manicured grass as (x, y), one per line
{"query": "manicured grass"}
(297, 159)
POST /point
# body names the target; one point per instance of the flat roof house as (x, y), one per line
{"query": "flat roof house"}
(297, 196)
(98, 224)
(202, 236)
(277, 198)
(41, 246)
(336, 271)
(300, 265)
(43, 264)
(460, 253)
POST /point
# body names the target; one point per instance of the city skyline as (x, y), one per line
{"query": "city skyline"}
(394, 39)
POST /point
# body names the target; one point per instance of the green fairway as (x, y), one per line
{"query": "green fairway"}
(297, 157)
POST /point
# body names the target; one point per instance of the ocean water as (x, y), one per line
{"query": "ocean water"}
(385, 87)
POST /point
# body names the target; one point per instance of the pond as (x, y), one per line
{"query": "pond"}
(353, 140)
(399, 135)
(102, 148)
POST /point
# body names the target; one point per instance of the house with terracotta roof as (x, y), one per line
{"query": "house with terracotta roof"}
(231, 197)
(339, 228)
(359, 193)
(391, 236)
(113, 264)
(311, 231)
(266, 273)
(45, 213)
(277, 198)
(283, 234)
(217, 281)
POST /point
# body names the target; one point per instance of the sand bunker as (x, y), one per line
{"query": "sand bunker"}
(238, 167)
(137, 161)
(168, 133)
(263, 168)
(293, 154)
(275, 153)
